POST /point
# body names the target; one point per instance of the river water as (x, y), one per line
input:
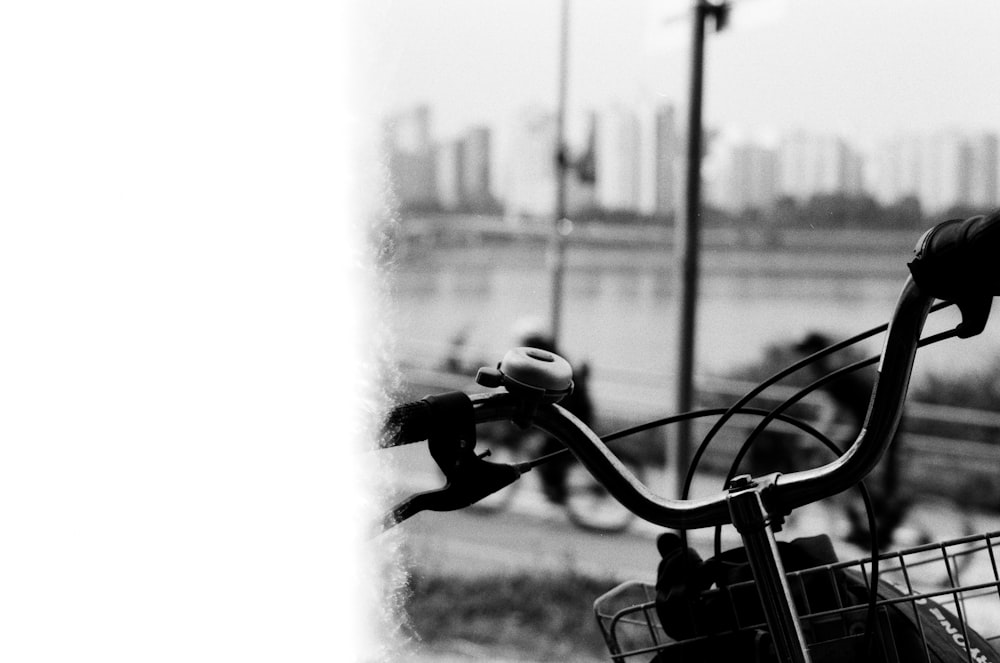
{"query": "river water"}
(620, 310)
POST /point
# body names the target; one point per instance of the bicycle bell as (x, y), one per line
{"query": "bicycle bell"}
(534, 375)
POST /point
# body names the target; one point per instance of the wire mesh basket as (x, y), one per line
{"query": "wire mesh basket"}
(937, 602)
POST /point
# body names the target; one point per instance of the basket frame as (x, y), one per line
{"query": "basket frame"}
(960, 574)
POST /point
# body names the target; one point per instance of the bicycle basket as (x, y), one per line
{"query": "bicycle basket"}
(934, 602)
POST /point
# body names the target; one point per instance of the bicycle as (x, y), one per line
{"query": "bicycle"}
(586, 503)
(767, 601)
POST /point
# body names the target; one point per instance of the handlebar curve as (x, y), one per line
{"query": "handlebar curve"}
(605, 466)
(787, 491)
(884, 410)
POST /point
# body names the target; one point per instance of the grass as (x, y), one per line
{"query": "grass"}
(541, 617)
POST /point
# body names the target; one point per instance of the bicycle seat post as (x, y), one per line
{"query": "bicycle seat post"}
(753, 521)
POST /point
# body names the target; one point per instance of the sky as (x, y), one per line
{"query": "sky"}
(861, 69)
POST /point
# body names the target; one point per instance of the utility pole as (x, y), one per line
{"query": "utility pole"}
(687, 245)
(560, 226)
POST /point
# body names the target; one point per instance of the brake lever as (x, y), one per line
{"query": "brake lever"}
(534, 377)
(452, 442)
(467, 486)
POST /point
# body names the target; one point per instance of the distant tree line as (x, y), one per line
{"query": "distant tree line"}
(821, 212)
(832, 211)
(485, 207)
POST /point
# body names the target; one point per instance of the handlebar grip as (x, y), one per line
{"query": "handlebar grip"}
(957, 259)
(406, 423)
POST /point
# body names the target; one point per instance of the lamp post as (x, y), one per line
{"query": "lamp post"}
(687, 245)
(560, 225)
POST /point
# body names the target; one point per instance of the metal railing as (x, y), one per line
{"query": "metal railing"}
(625, 398)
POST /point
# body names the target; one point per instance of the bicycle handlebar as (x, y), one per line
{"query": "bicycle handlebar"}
(955, 261)
(406, 423)
(787, 491)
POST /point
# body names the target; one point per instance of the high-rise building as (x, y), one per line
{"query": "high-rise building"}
(530, 177)
(475, 168)
(449, 163)
(942, 169)
(984, 182)
(463, 172)
(751, 179)
(659, 151)
(896, 172)
(412, 129)
(617, 186)
(812, 164)
(945, 171)
(852, 173)
(410, 155)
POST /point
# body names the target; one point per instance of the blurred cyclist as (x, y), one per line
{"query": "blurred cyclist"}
(530, 333)
(850, 394)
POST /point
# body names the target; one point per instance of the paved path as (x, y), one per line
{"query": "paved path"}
(469, 543)
(534, 535)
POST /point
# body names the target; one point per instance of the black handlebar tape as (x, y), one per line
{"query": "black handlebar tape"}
(959, 258)
(957, 261)
(406, 423)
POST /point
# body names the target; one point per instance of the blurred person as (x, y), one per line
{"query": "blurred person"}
(531, 333)
(780, 448)
(455, 361)
(850, 395)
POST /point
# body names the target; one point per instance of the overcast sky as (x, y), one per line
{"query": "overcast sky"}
(864, 69)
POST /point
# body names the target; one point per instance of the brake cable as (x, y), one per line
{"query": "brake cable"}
(776, 413)
(695, 414)
(780, 375)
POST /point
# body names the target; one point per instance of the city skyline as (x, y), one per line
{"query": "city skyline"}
(638, 155)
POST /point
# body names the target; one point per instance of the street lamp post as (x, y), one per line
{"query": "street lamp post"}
(559, 227)
(687, 233)
(687, 239)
